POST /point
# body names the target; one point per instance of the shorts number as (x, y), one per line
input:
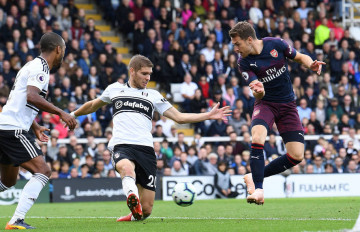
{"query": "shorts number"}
(152, 182)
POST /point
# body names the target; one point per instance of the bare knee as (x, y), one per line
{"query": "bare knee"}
(297, 156)
(258, 138)
(258, 133)
(125, 168)
(45, 170)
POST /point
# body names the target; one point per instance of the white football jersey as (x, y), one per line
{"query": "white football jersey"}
(17, 113)
(133, 110)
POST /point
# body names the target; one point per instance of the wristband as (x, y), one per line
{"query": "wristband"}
(73, 114)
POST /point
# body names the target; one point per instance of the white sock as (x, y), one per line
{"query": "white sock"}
(129, 186)
(29, 195)
(2, 187)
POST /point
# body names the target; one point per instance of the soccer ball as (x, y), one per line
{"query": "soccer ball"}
(184, 194)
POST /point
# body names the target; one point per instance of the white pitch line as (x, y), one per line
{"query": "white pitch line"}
(202, 218)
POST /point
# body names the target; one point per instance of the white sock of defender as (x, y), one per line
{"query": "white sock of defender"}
(29, 195)
(2, 187)
(129, 186)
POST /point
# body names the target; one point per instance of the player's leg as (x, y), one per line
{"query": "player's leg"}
(41, 174)
(147, 198)
(8, 172)
(294, 155)
(8, 175)
(126, 168)
(291, 131)
(254, 180)
(262, 120)
(23, 150)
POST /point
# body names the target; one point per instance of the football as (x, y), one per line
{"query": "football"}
(184, 194)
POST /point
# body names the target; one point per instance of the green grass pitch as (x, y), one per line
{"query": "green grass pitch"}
(301, 214)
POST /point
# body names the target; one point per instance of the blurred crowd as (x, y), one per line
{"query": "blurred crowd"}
(188, 42)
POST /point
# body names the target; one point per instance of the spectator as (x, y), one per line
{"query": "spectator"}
(208, 51)
(178, 170)
(211, 165)
(335, 108)
(64, 171)
(318, 167)
(303, 109)
(338, 167)
(222, 182)
(351, 167)
(270, 147)
(159, 132)
(255, 13)
(181, 143)
(188, 89)
(322, 32)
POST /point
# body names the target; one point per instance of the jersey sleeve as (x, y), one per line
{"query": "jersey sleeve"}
(39, 79)
(161, 104)
(105, 96)
(288, 51)
(247, 74)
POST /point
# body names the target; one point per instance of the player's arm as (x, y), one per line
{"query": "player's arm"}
(35, 99)
(309, 63)
(181, 118)
(250, 77)
(89, 107)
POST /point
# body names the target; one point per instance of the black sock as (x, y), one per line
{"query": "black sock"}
(257, 164)
(280, 164)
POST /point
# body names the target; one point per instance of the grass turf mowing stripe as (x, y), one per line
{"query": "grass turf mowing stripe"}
(203, 218)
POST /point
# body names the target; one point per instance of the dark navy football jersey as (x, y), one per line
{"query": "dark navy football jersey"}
(271, 68)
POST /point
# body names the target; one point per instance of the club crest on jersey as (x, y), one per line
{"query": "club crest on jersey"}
(245, 75)
(116, 155)
(274, 53)
(144, 94)
(118, 104)
(40, 78)
(256, 112)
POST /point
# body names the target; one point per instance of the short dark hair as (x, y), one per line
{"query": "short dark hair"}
(138, 61)
(244, 30)
(49, 41)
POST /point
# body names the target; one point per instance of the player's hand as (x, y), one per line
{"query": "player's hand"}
(316, 66)
(39, 132)
(222, 113)
(69, 120)
(257, 86)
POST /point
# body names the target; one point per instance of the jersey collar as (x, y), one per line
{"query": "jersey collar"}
(128, 85)
(41, 58)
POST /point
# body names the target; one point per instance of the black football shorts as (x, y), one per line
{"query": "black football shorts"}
(144, 160)
(17, 147)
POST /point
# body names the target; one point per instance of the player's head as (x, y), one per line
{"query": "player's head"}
(242, 36)
(51, 42)
(140, 68)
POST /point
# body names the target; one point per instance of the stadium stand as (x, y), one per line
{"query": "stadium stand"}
(188, 37)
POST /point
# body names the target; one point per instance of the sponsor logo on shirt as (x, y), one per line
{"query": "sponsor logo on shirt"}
(132, 105)
(273, 73)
